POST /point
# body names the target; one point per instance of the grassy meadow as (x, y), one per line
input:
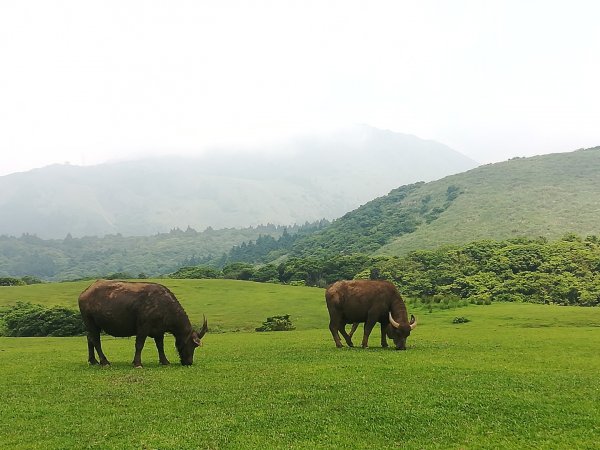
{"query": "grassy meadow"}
(515, 376)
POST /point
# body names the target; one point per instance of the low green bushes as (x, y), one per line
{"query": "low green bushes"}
(27, 319)
(277, 323)
(10, 281)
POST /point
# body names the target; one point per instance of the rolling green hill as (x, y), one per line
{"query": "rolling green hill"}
(541, 196)
(230, 305)
(547, 196)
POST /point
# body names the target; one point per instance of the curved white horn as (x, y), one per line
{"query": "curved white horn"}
(393, 322)
(204, 329)
(413, 322)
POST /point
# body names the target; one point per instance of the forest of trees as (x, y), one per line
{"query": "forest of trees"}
(564, 271)
(73, 258)
(374, 224)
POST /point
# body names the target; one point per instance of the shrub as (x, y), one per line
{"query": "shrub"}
(119, 276)
(196, 272)
(28, 279)
(10, 281)
(264, 274)
(238, 271)
(460, 320)
(519, 298)
(27, 319)
(277, 323)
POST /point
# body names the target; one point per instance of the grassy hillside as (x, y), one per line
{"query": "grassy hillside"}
(547, 196)
(228, 304)
(515, 376)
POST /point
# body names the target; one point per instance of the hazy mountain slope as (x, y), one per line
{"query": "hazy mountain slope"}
(72, 258)
(293, 182)
(541, 196)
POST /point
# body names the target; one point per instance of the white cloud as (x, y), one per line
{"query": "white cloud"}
(84, 81)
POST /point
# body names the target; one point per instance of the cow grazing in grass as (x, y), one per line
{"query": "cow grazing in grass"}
(122, 309)
(368, 301)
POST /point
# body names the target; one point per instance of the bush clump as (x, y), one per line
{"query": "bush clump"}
(10, 281)
(277, 323)
(196, 272)
(28, 320)
(460, 320)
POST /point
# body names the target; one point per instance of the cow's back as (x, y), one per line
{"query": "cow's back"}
(354, 299)
(116, 306)
(106, 294)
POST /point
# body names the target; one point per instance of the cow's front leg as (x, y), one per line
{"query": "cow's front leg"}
(160, 346)
(384, 343)
(369, 324)
(140, 340)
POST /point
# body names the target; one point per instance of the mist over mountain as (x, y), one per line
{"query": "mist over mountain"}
(304, 179)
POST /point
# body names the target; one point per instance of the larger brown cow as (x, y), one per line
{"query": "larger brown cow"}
(122, 308)
(368, 301)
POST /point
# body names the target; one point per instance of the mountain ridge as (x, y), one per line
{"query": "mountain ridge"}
(303, 180)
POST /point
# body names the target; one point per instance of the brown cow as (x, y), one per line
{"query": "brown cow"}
(122, 308)
(368, 301)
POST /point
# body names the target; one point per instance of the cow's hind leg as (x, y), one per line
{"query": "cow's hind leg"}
(91, 355)
(140, 340)
(346, 336)
(334, 327)
(101, 355)
(353, 329)
(93, 339)
(160, 346)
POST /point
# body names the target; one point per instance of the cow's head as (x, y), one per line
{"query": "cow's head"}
(399, 332)
(187, 346)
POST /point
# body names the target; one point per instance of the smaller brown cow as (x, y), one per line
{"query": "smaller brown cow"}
(368, 301)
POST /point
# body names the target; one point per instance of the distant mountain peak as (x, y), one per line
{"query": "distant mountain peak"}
(303, 179)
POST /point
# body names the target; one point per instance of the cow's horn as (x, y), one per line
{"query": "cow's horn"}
(393, 322)
(413, 322)
(203, 330)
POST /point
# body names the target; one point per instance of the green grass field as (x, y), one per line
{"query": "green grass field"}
(515, 376)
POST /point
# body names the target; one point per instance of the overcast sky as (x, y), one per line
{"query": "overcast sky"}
(83, 81)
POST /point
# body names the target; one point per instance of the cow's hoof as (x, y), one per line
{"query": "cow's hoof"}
(138, 367)
(105, 363)
(164, 363)
(93, 362)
